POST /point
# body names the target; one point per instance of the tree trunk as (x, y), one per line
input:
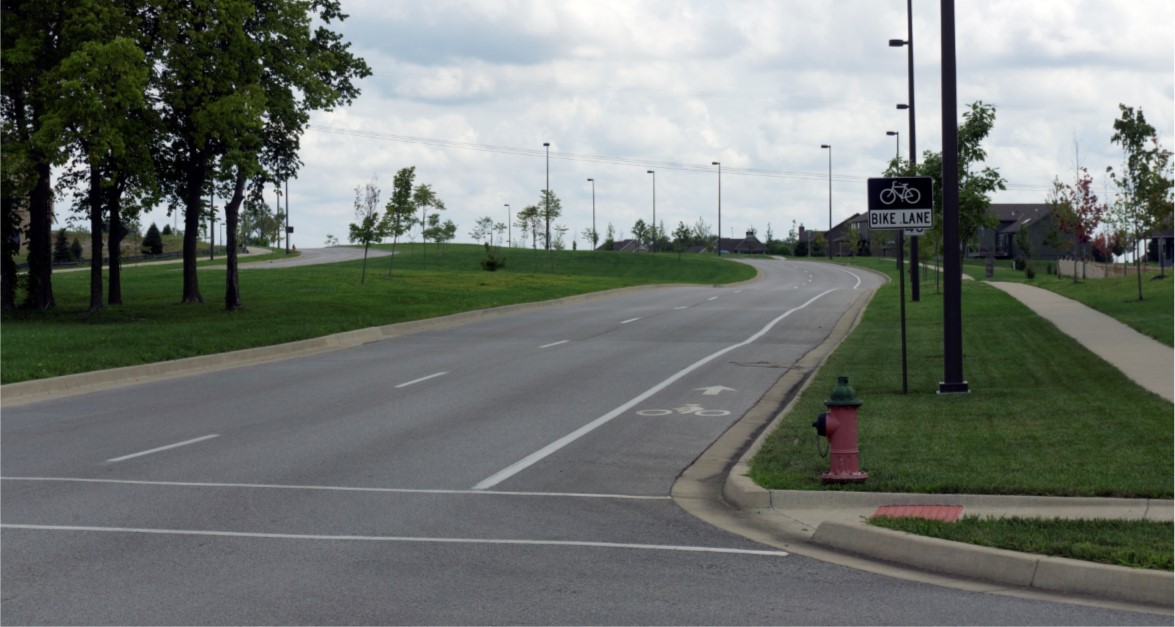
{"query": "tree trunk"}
(9, 248)
(114, 246)
(95, 200)
(40, 294)
(232, 283)
(197, 172)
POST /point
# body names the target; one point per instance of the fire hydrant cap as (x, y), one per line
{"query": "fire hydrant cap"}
(842, 395)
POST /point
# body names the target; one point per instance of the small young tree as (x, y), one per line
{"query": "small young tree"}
(76, 250)
(400, 212)
(153, 241)
(1144, 182)
(369, 228)
(610, 237)
(61, 247)
(482, 229)
(681, 238)
(424, 198)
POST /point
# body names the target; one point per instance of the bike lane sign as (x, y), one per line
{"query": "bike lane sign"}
(903, 202)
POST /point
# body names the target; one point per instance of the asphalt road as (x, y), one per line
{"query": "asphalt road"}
(511, 470)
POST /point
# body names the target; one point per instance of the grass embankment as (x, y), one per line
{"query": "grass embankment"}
(284, 305)
(1044, 416)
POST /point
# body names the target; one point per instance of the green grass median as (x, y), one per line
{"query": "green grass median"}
(1043, 417)
(289, 304)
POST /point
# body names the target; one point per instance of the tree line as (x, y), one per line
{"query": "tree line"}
(155, 101)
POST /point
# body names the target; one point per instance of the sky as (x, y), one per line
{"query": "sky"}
(468, 92)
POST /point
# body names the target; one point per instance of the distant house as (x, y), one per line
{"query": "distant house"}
(1164, 242)
(839, 238)
(625, 246)
(1012, 217)
(749, 245)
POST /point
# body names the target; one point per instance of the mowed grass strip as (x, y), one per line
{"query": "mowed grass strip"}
(1133, 543)
(1117, 297)
(1044, 416)
(285, 305)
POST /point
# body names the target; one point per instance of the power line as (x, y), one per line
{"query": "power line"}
(644, 163)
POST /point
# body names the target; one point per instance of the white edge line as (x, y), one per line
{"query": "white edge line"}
(554, 344)
(551, 448)
(269, 486)
(298, 536)
(629, 320)
(415, 381)
(163, 448)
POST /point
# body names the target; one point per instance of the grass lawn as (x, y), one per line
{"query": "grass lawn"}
(1133, 543)
(283, 305)
(1117, 297)
(1043, 416)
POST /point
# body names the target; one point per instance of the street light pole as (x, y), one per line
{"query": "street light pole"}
(654, 229)
(828, 240)
(595, 234)
(547, 197)
(952, 302)
(719, 242)
(897, 137)
(915, 266)
(278, 191)
(288, 217)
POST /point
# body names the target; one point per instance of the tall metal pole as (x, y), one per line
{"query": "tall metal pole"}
(509, 227)
(595, 234)
(654, 229)
(915, 266)
(547, 197)
(828, 242)
(278, 191)
(287, 216)
(952, 315)
(719, 242)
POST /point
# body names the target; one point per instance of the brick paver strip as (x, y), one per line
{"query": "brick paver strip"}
(945, 513)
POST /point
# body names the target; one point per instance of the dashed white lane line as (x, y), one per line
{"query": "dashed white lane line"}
(300, 536)
(558, 444)
(421, 379)
(629, 320)
(554, 344)
(163, 448)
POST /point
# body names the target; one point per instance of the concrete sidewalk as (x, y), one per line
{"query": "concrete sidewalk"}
(1148, 362)
(813, 522)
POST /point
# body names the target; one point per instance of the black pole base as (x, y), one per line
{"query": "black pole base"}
(953, 388)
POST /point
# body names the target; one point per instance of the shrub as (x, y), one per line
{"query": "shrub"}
(1020, 263)
(492, 261)
(1029, 271)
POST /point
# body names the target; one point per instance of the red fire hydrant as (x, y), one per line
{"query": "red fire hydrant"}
(839, 425)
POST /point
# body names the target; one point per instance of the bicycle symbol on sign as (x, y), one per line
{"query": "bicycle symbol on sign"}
(688, 409)
(909, 195)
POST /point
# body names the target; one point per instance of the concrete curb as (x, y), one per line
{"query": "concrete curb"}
(1052, 574)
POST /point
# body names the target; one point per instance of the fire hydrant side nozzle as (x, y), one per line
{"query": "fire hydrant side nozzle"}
(839, 425)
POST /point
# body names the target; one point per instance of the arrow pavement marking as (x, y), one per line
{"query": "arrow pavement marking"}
(714, 390)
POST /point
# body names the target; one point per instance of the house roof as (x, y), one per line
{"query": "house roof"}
(1014, 215)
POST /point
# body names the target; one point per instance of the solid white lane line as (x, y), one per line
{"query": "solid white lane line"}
(554, 344)
(712, 298)
(415, 381)
(551, 448)
(682, 307)
(629, 320)
(164, 448)
(324, 488)
(300, 536)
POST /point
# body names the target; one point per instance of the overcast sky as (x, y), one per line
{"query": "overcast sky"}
(468, 92)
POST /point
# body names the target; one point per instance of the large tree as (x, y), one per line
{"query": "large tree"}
(240, 79)
(32, 46)
(100, 116)
(1144, 182)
